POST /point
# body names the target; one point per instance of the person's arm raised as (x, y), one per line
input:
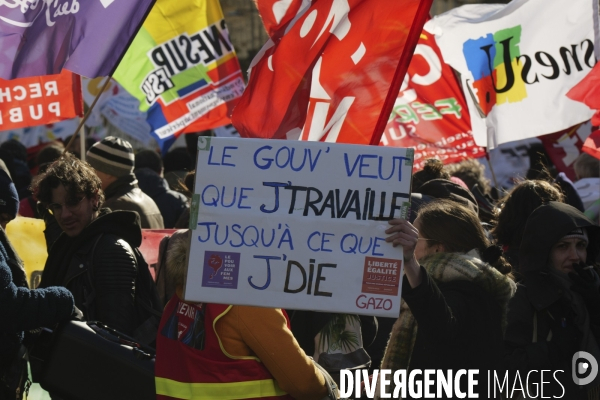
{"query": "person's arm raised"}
(403, 233)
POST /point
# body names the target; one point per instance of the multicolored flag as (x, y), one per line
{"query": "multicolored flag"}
(515, 68)
(183, 69)
(430, 113)
(41, 37)
(331, 69)
(39, 100)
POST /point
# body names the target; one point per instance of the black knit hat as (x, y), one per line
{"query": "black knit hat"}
(113, 156)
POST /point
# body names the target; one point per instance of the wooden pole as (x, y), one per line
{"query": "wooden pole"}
(487, 156)
(87, 114)
(82, 143)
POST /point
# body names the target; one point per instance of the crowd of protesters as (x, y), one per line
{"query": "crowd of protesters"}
(498, 281)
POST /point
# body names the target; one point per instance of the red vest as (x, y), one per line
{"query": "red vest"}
(192, 364)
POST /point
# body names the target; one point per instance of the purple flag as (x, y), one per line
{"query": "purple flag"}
(88, 37)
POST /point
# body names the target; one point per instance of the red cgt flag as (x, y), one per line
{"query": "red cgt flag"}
(430, 113)
(331, 70)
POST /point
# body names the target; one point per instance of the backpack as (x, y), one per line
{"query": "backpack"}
(147, 302)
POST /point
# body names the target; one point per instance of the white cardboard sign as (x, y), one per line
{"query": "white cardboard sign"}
(297, 225)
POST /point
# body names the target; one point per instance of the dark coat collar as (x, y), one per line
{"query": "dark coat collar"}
(542, 290)
(122, 185)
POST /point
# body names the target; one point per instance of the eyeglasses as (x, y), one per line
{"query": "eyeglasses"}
(71, 205)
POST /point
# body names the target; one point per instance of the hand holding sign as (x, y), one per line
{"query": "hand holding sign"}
(405, 234)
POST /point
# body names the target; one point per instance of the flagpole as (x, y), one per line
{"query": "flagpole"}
(82, 144)
(87, 114)
(487, 156)
(412, 39)
(108, 78)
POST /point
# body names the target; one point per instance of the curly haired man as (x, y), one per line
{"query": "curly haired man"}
(96, 256)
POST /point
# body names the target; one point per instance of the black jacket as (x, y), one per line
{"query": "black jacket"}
(459, 327)
(124, 194)
(99, 267)
(23, 309)
(541, 301)
(170, 203)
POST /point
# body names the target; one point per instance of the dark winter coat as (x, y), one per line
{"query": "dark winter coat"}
(460, 327)
(73, 262)
(459, 309)
(124, 194)
(170, 203)
(541, 301)
(23, 309)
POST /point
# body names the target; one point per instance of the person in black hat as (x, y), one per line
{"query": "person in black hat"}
(20, 308)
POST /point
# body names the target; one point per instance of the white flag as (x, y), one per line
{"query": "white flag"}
(518, 61)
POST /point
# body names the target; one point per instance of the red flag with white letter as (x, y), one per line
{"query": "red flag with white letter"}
(430, 113)
(331, 70)
(39, 100)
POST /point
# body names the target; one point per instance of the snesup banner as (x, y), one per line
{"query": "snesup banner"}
(518, 61)
(39, 100)
(430, 113)
(183, 69)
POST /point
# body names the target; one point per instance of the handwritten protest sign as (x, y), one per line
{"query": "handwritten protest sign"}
(297, 225)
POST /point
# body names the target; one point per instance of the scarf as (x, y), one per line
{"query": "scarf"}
(445, 267)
